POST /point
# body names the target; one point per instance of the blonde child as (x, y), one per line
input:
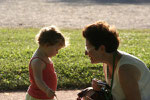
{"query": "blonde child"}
(43, 77)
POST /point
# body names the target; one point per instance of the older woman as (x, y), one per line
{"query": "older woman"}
(131, 79)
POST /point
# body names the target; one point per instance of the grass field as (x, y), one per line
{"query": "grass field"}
(73, 68)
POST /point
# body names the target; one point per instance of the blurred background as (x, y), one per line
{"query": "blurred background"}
(124, 14)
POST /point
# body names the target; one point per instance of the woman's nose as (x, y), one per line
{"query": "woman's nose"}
(86, 53)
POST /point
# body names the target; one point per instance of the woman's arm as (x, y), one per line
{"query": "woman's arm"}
(129, 76)
(95, 82)
(38, 67)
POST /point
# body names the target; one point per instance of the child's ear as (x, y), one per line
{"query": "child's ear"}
(46, 45)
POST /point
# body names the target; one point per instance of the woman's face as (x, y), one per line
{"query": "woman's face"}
(94, 55)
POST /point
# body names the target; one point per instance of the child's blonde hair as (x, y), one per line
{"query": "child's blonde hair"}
(50, 36)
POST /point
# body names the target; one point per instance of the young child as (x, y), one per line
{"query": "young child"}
(43, 77)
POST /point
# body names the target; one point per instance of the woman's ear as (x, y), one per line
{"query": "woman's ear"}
(102, 48)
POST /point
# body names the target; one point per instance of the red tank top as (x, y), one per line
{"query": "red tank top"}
(49, 77)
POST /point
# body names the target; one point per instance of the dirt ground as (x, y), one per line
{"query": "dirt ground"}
(69, 14)
(72, 13)
(62, 95)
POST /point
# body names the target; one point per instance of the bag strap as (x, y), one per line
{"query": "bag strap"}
(112, 77)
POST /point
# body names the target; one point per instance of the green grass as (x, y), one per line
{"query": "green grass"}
(73, 68)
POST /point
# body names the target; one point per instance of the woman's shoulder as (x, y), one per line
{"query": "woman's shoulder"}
(130, 62)
(128, 58)
(129, 55)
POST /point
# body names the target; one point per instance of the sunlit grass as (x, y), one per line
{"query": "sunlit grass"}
(72, 66)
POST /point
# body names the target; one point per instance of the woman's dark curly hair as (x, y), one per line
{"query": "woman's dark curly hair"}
(100, 33)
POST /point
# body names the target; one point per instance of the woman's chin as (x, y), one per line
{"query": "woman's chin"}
(93, 61)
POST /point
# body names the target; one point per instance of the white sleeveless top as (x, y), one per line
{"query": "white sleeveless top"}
(144, 82)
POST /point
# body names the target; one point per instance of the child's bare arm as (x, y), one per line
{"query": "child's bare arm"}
(38, 67)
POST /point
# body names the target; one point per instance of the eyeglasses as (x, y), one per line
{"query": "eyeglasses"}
(88, 49)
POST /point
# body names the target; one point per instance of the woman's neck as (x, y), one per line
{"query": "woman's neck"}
(115, 56)
(110, 62)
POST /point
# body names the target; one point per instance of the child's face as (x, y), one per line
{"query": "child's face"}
(53, 50)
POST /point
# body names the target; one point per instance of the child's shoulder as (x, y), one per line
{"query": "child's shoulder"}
(36, 61)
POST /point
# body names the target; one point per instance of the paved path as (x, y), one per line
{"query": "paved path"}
(72, 13)
(62, 95)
